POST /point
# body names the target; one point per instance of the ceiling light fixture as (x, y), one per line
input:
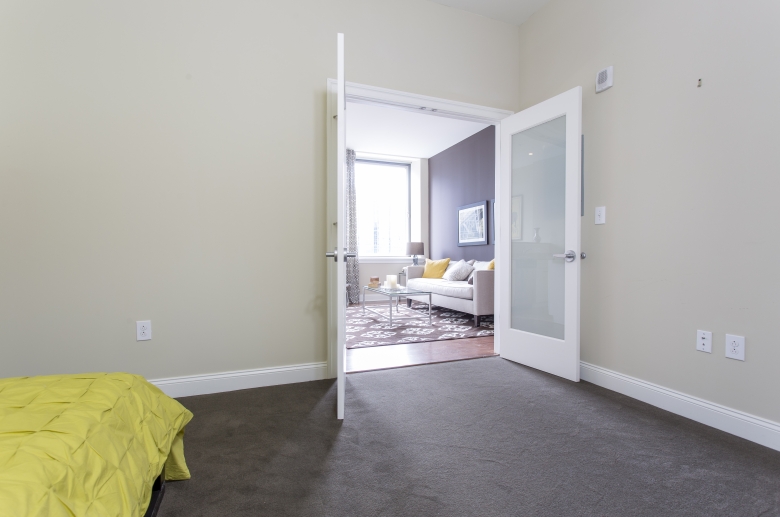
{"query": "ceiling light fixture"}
(530, 154)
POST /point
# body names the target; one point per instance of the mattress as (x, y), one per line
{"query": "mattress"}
(86, 445)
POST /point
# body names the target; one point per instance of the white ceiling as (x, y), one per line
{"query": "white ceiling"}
(395, 132)
(510, 11)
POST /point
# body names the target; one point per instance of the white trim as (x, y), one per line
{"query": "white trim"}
(744, 425)
(189, 385)
(364, 94)
(331, 227)
(497, 277)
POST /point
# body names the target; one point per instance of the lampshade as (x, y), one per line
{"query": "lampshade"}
(415, 248)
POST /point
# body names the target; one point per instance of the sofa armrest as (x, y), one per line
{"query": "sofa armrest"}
(414, 272)
(484, 292)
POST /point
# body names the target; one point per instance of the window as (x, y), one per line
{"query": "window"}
(382, 199)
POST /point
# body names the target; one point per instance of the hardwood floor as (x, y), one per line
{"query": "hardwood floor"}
(397, 356)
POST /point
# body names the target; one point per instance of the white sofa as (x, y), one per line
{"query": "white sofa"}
(472, 298)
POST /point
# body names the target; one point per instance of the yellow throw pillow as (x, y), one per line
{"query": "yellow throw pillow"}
(492, 264)
(435, 268)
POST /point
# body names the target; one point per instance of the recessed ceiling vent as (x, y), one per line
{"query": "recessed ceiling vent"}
(604, 79)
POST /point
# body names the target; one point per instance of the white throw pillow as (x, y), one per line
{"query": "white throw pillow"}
(478, 266)
(460, 271)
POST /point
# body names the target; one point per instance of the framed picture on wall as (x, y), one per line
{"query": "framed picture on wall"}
(472, 224)
(517, 218)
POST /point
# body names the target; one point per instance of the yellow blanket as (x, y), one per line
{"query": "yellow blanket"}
(86, 445)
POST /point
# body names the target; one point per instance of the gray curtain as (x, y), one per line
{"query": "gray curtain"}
(350, 206)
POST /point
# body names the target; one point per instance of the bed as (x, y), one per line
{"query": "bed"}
(87, 445)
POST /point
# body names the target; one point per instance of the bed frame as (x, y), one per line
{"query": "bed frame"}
(158, 491)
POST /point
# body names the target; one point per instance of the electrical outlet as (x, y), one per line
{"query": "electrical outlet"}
(601, 215)
(735, 347)
(143, 330)
(704, 341)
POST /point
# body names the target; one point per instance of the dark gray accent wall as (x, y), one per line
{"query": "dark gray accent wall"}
(460, 175)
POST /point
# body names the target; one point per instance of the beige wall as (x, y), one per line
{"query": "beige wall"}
(166, 161)
(690, 180)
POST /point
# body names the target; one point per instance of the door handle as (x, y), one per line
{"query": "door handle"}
(569, 256)
(348, 255)
(335, 255)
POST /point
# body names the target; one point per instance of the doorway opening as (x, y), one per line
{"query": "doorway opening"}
(416, 161)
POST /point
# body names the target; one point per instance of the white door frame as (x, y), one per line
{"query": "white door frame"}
(434, 106)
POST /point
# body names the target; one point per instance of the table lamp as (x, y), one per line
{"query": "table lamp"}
(414, 249)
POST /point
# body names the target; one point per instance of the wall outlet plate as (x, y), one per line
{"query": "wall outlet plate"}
(601, 215)
(143, 330)
(735, 347)
(704, 341)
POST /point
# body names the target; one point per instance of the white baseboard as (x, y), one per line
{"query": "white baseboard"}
(744, 425)
(241, 380)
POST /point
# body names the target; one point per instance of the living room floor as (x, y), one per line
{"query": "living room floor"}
(412, 354)
(417, 353)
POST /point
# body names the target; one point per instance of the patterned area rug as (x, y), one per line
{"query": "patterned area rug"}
(370, 330)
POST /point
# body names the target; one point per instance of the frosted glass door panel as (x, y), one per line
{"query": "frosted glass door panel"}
(539, 216)
(538, 229)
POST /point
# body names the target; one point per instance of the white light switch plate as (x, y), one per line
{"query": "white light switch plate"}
(601, 215)
(704, 341)
(735, 347)
(143, 330)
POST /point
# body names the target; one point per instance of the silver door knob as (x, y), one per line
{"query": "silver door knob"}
(569, 256)
(335, 255)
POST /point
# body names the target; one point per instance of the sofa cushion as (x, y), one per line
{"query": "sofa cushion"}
(458, 271)
(455, 289)
(435, 268)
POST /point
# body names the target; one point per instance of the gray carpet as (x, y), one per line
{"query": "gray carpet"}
(484, 437)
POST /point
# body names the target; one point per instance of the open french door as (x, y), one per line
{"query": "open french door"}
(337, 273)
(539, 213)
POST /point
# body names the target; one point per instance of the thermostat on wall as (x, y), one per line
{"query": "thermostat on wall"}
(604, 79)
